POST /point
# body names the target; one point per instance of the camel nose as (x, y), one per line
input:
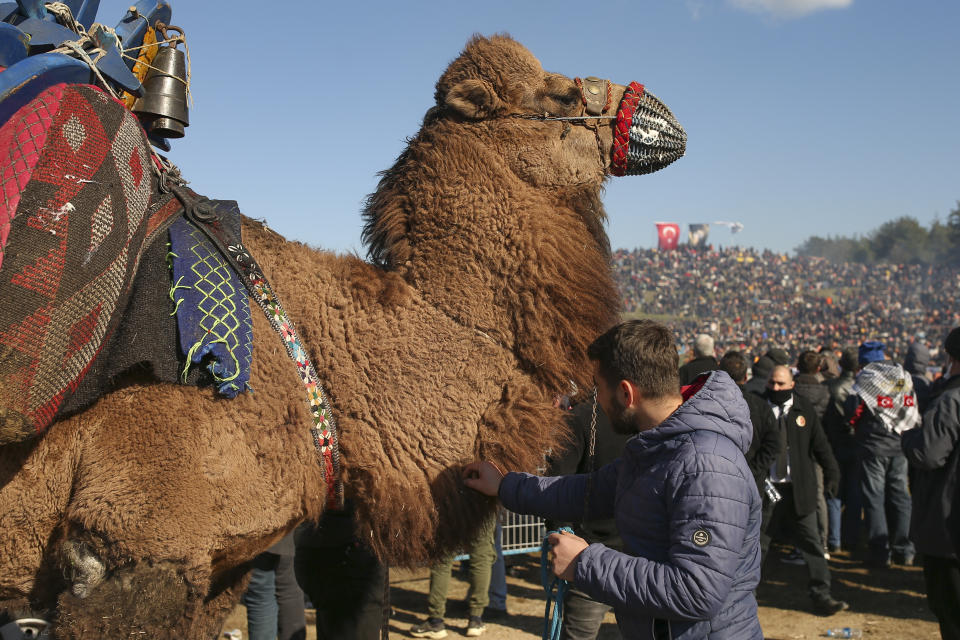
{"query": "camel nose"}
(647, 137)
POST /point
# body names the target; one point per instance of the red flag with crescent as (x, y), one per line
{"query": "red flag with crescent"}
(668, 234)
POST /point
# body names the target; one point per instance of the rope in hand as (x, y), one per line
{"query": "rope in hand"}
(552, 623)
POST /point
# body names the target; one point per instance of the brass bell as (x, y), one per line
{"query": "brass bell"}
(163, 106)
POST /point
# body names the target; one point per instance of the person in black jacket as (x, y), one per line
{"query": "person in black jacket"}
(766, 435)
(703, 360)
(933, 452)
(916, 363)
(845, 513)
(346, 583)
(808, 385)
(582, 615)
(793, 474)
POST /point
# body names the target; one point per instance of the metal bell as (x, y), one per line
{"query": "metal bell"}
(163, 107)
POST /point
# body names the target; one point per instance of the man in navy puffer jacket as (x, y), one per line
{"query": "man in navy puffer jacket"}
(684, 499)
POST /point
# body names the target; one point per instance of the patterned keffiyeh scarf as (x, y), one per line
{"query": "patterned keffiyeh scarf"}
(887, 391)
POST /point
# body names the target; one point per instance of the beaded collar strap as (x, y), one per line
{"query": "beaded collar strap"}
(202, 213)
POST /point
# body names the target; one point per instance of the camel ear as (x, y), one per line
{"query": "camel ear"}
(473, 99)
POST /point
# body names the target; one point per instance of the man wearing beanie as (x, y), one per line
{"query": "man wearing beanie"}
(933, 452)
(916, 362)
(761, 373)
(882, 406)
(762, 368)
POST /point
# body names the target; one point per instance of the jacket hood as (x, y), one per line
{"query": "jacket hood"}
(917, 359)
(717, 406)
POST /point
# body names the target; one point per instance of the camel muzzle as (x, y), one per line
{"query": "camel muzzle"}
(647, 137)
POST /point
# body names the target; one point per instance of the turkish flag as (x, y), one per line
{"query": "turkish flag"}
(668, 234)
(885, 402)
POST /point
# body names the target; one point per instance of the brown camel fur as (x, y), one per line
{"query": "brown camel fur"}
(490, 275)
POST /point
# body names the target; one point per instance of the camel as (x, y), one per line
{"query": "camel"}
(488, 274)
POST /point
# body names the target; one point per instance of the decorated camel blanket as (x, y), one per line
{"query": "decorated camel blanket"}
(78, 208)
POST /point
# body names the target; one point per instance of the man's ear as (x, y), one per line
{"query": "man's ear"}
(473, 99)
(628, 393)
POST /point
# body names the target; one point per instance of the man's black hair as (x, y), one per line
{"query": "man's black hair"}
(848, 359)
(734, 363)
(952, 344)
(809, 362)
(641, 351)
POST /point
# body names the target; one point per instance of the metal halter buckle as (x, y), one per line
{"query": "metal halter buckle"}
(596, 94)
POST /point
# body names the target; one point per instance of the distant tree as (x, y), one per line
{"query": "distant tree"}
(839, 249)
(900, 241)
(940, 243)
(953, 224)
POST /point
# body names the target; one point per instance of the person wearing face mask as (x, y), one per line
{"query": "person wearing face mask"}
(933, 453)
(793, 472)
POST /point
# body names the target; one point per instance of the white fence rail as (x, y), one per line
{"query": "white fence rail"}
(518, 533)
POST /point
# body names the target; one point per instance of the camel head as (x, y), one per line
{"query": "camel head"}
(493, 210)
(576, 131)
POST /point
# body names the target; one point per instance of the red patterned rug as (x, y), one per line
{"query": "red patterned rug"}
(78, 206)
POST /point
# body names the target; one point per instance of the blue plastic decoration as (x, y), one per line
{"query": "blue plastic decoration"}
(13, 45)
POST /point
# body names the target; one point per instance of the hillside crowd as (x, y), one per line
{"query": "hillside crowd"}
(747, 298)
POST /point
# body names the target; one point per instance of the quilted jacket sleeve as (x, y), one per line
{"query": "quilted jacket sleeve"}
(561, 497)
(708, 509)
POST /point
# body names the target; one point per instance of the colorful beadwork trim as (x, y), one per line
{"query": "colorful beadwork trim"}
(324, 427)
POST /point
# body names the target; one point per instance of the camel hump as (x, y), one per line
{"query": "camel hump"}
(79, 205)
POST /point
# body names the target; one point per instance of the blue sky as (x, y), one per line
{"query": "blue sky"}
(803, 116)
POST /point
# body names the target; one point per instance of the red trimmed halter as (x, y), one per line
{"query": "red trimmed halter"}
(621, 137)
(594, 111)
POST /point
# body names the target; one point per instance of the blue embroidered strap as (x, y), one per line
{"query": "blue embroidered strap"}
(552, 623)
(207, 216)
(213, 317)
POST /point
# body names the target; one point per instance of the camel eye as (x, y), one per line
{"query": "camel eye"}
(568, 99)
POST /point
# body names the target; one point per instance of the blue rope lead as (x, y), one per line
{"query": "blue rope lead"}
(552, 623)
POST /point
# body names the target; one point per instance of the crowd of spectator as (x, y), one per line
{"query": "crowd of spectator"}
(748, 299)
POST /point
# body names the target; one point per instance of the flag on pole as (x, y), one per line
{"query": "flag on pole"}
(735, 227)
(668, 235)
(697, 236)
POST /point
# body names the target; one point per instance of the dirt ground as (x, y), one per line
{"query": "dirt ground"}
(887, 604)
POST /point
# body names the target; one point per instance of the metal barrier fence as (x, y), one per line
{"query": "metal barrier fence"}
(521, 533)
(518, 533)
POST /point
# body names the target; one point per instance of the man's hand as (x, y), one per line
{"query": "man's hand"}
(484, 477)
(832, 490)
(566, 548)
